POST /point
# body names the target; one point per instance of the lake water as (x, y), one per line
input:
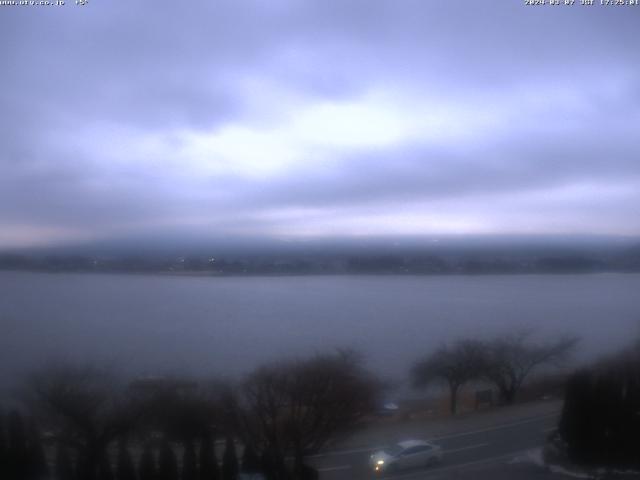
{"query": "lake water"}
(224, 326)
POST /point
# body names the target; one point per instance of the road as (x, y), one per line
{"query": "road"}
(495, 443)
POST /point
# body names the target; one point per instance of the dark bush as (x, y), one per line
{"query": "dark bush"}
(63, 464)
(168, 465)
(126, 469)
(600, 422)
(208, 460)
(306, 472)
(3, 447)
(230, 461)
(147, 469)
(17, 465)
(250, 460)
(189, 462)
(37, 467)
(273, 465)
(105, 472)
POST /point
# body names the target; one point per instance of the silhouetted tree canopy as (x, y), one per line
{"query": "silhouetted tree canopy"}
(509, 359)
(182, 409)
(296, 407)
(455, 364)
(86, 409)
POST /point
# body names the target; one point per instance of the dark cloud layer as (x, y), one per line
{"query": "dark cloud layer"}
(317, 118)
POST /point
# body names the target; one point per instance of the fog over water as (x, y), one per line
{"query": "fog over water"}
(225, 326)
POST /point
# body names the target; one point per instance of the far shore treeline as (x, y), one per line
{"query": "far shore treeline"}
(301, 259)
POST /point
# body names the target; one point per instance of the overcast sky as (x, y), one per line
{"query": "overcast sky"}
(317, 119)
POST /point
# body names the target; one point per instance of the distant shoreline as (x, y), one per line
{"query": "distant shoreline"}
(194, 273)
(453, 261)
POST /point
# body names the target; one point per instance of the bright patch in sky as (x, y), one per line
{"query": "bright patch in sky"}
(323, 133)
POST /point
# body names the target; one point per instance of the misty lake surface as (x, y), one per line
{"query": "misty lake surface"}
(224, 326)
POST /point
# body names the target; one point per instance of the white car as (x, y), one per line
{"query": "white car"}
(406, 454)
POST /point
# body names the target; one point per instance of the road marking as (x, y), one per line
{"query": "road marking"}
(499, 427)
(346, 452)
(470, 447)
(439, 470)
(456, 435)
(454, 450)
(331, 469)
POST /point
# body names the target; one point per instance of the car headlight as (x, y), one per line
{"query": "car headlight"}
(380, 462)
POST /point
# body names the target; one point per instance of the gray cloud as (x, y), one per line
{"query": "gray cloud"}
(121, 118)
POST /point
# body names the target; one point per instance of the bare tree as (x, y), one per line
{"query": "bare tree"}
(182, 409)
(84, 407)
(509, 359)
(297, 407)
(455, 364)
